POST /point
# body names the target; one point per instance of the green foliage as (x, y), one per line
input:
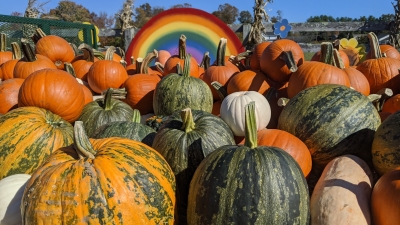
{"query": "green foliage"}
(70, 11)
(144, 13)
(227, 13)
(184, 5)
(245, 17)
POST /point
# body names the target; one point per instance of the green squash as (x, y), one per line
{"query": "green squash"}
(248, 184)
(103, 111)
(178, 91)
(332, 120)
(127, 129)
(184, 140)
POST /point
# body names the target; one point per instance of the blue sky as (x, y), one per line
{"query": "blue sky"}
(293, 10)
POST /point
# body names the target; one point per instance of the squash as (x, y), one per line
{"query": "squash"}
(12, 188)
(29, 135)
(7, 68)
(101, 181)
(343, 193)
(83, 62)
(248, 184)
(9, 94)
(256, 54)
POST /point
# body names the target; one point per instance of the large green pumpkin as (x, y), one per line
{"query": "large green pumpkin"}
(248, 184)
(103, 111)
(184, 140)
(28, 135)
(178, 91)
(332, 120)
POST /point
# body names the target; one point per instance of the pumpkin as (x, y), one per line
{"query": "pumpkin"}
(280, 59)
(384, 199)
(388, 50)
(83, 62)
(54, 47)
(178, 91)
(232, 110)
(332, 120)
(256, 55)
(110, 181)
(343, 193)
(12, 188)
(343, 55)
(4, 54)
(392, 104)
(381, 72)
(85, 86)
(163, 56)
(107, 73)
(29, 135)
(248, 184)
(132, 129)
(7, 68)
(184, 140)
(31, 62)
(9, 94)
(385, 145)
(105, 110)
(55, 90)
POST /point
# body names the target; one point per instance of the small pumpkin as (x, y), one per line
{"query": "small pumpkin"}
(9, 90)
(83, 62)
(256, 54)
(7, 68)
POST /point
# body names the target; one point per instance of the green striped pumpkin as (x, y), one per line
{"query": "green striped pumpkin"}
(248, 184)
(332, 120)
(127, 129)
(178, 91)
(105, 110)
(184, 140)
(101, 181)
(28, 136)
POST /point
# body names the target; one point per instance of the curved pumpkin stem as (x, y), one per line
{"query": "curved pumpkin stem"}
(235, 60)
(187, 119)
(221, 52)
(76, 50)
(29, 53)
(287, 57)
(38, 35)
(182, 47)
(250, 125)
(82, 144)
(88, 53)
(69, 68)
(3, 42)
(380, 97)
(16, 51)
(110, 53)
(159, 67)
(146, 61)
(282, 102)
(222, 93)
(136, 116)
(376, 52)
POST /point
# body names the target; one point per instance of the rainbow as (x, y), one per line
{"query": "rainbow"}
(202, 30)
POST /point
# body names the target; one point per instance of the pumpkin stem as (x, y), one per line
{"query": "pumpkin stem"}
(338, 61)
(270, 93)
(182, 47)
(250, 125)
(82, 144)
(375, 48)
(136, 116)
(221, 52)
(88, 53)
(132, 59)
(146, 61)
(237, 62)
(76, 50)
(186, 65)
(38, 35)
(380, 97)
(3, 42)
(205, 61)
(179, 68)
(187, 119)
(29, 53)
(110, 53)
(69, 68)
(16, 51)
(221, 90)
(282, 102)
(107, 99)
(287, 57)
(98, 54)
(119, 93)
(244, 56)
(327, 53)
(159, 67)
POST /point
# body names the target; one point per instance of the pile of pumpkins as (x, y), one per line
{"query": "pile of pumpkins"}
(264, 137)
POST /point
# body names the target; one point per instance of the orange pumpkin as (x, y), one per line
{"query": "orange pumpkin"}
(9, 94)
(392, 104)
(7, 68)
(388, 50)
(83, 62)
(256, 56)
(163, 56)
(343, 56)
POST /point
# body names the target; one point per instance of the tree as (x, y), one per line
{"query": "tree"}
(144, 13)
(184, 5)
(245, 17)
(102, 20)
(227, 13)
(70, 11)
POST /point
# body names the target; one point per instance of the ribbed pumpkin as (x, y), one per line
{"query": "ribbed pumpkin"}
(7, 68)
(248, 184)
(29, 135)
(101, 181)
(184, 140)
(178, 91)
(388, 50)
(163, 56)
(385, 146)
(132, 129)
(87, 93)
(83, 62)
(55, 90)
(104, 110)
(332, 120)
(9, 94)
(256, 54)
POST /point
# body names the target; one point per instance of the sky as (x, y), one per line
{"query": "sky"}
(292, 10)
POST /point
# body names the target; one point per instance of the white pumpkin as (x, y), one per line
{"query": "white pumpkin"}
(232, 110)
(11, 191)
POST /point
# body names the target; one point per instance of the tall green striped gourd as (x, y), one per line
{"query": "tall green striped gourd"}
(332, 120)
(184, 140)
(28, 135)
(248, 184)
(178, 91)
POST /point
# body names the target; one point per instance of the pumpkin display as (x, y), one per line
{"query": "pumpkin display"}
(184, 140)
(332, 120)
(59, 92)
(110, 181)
(54, 47)
(342, 194)
(4, 54)
(29, 135)
(385, 145)
(9, 90)
(105, 110)
(7, 68)
(84, 61)
(232, 110)
(178, 91)
(248, 184)
(12, 188)
(384, 199)
(132, 129)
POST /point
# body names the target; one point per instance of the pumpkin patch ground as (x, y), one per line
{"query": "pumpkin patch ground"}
(261, 136)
